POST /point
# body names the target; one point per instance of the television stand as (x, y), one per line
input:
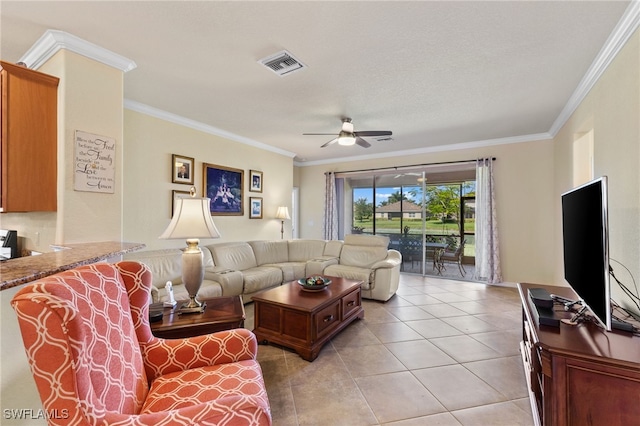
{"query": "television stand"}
(622, 326)
(578, 375)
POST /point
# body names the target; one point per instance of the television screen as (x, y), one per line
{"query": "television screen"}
(586, 246)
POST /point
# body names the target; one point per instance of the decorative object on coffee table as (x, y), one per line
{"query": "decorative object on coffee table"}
(315, 283)
(192, 220)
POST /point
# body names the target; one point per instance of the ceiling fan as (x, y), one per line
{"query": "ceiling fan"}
(348, 137)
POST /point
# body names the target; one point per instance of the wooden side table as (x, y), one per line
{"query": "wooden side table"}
(221, 313)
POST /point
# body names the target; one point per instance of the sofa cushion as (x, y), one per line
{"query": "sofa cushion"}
(363, 250)
(267, 252)
(260, 278)
(333, 248)
(235, 256)
(291, 270)
(303, 250)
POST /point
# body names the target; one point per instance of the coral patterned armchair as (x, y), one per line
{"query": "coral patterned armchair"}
(94, 359)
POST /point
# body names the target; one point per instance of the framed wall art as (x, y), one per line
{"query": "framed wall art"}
(223, 185)
(255, 206)
(255, 181)
(174, 196)
(182, 169)
(94, 159)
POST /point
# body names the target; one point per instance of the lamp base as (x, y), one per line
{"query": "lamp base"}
(191, 308)
(192, 275)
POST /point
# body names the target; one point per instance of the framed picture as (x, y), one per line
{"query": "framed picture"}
(224, 186)
(182, 169)
(255, 206)
(175, 195)
(255, 181)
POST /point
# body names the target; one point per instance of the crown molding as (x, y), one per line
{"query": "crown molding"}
(53, 40)
(196, 125)
(625, 28)
(430, 150)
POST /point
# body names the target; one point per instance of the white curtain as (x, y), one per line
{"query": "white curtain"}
(487, 250)
(330, 216)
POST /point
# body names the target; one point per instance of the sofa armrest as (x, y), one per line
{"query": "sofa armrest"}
(154, 297)
(317, 266)
(394, 258)
(163, 356)
(231, 281)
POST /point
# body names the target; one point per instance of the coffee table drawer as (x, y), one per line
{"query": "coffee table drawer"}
(351, 303)
(327, 317)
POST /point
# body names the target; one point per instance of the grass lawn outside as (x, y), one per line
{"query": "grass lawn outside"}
(392, 226)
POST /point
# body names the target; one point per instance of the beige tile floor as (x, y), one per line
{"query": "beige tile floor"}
(441, 352)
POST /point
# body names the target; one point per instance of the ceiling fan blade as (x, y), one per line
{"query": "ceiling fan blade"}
(373, 133)
(322, 134)
(362, 142)
(331, 142)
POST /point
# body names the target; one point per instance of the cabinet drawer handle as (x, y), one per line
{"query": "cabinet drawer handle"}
(328, 318)
(351, 303)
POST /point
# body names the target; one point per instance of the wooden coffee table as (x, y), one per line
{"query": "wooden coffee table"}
(304, 321)
(221, 313)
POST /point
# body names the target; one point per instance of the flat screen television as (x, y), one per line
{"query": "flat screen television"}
(585, 238)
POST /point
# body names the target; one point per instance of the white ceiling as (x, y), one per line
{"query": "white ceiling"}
(438, 74)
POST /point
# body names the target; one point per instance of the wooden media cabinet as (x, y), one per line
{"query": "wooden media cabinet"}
(579, 375)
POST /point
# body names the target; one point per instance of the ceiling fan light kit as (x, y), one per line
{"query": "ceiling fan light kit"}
(348, 137)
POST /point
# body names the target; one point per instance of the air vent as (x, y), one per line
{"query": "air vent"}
(282, 63)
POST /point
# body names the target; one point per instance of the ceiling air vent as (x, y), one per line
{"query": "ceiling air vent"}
(282, 63)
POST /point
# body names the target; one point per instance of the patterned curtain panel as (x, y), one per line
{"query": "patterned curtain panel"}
(487, 250)
(330, 216)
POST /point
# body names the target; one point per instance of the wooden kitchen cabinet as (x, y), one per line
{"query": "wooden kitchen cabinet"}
(28, 155)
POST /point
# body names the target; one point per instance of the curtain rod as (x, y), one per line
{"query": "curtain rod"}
(410, 166)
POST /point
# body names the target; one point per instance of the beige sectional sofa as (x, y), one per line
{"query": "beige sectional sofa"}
(245, 268)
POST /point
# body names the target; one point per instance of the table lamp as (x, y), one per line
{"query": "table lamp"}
(282, 214)
(192, 220)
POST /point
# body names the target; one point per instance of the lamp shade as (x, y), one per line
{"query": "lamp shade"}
(191, 219)
(283, 213)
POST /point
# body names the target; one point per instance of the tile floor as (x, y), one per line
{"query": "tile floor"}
(441, 352)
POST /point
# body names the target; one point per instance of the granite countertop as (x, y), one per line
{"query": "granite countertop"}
(30, 268)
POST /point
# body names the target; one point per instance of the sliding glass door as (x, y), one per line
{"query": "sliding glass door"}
(422, 212)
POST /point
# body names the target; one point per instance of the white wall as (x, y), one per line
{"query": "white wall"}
(612, 111)
(149, 145)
